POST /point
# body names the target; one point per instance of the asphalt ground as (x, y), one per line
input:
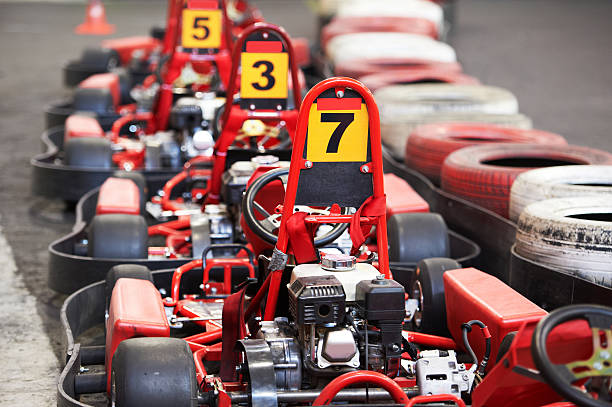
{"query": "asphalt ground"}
(553, 54)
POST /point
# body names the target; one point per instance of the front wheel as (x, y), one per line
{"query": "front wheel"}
(153, 372)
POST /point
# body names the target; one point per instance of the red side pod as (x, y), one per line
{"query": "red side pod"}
(108, 81)
(401, 198)
(135, 310)
(82, 126)
(118, 195)
(125, 47)
(473, 294)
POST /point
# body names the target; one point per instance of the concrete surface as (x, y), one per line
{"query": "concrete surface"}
(554, 54)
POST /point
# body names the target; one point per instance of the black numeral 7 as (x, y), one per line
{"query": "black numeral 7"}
(344, 120)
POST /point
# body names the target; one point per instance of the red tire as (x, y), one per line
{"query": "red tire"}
(358, 68)
(430, 144)
(404, 76)
(484, 174)
(349, 25)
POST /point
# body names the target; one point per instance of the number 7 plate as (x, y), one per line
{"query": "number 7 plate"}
(337, 131)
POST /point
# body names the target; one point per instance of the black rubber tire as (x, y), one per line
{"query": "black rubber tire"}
(416, 236)
(125, 85)
(95, 100)
(88, 152)
(429, 277)
(158, 32)
(135, 271)
(100, 59)
(118, 236)
(153, 372)
(140, 182)
(504, 346)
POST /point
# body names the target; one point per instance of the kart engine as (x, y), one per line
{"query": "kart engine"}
(191, 119)
(343, 317)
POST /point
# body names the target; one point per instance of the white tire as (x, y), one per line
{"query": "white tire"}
(559, 182)
(388, 46)
(393, 8)
(411, 99)
(563, 235)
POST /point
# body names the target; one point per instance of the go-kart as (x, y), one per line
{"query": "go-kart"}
(82, 155)
(110, 228)
(321, 327)
(194, 59)
(140, 54)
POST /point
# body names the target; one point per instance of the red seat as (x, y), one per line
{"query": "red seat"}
(135, 310)
(108, 81)
(401, 198)
(82, 126)
(120, 196)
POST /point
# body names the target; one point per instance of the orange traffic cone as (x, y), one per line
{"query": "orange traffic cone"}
(95, 20)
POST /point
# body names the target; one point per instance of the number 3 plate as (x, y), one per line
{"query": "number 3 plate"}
(337, 131)
(264, 75)
(201, 29)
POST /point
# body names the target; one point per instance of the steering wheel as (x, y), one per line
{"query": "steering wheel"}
(258, 135)
(265, 228)
(561, 377)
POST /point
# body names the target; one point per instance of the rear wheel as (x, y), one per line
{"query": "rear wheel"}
(417, 236)
(153, 372)
(100, 59)
(140, 182)
(118, 236)
(134, 271)
(88, 152)
(97, 100)
(428, 289)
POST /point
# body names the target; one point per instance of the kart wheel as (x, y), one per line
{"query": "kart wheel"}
(216, 123)
(158, 32)
(484, 174)
(140, 182)
(395, 131)
(88, 152)
(100, 59)
(414, 237)
(428, 289)
(559, 182)
(125, 85)
(118, 236)
(95, 100)
(504, 346)
(134, 271)
(429, 145)
(570, 235)
(153, 372)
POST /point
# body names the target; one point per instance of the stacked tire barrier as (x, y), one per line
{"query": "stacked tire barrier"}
(471, 139)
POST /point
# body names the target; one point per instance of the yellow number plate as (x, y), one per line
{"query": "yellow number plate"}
(337, 135)
(264, 75)
(201, 28)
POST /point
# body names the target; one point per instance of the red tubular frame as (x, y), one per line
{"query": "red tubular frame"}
(225, 141)
(436, 398)
(363, 376)
(431, 340)
(178, 60)
(298, 164)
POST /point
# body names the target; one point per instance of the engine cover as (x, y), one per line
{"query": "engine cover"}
(317, 300)
(348, 279)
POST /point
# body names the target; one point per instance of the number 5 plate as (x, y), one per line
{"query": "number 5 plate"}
(337, 131)
(201, 29)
